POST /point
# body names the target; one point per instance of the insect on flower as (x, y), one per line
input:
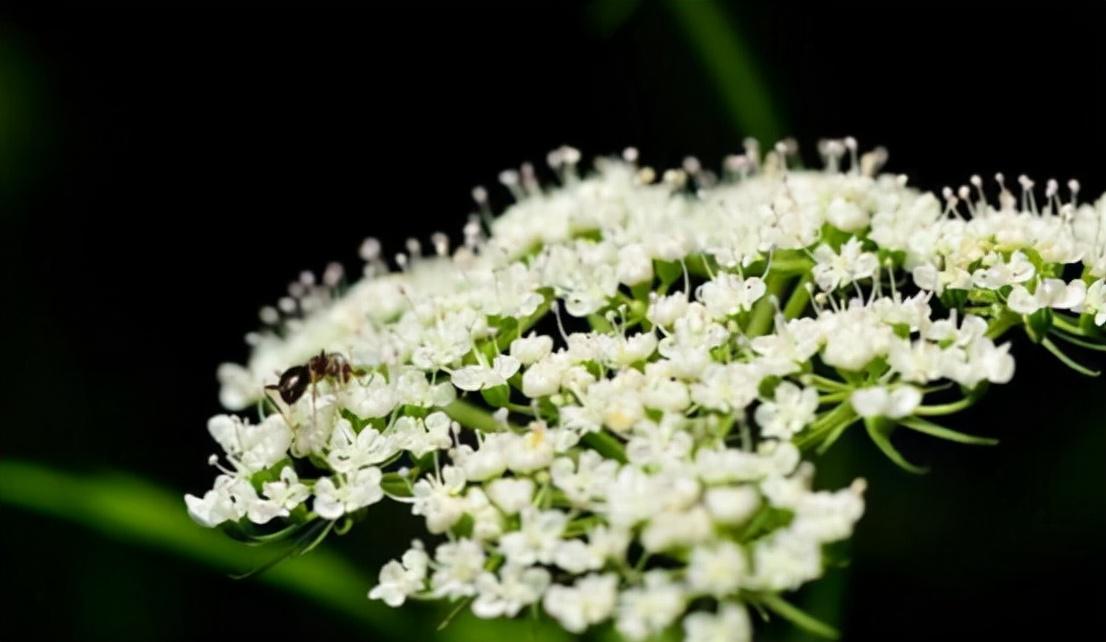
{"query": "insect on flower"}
(294, 381)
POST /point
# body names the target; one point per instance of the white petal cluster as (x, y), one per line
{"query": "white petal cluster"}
(600, 402)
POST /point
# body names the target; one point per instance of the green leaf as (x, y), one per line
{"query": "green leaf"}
(668, 271)
(605, 444)
(728, 62)
(797, 616)
(932, 429)
(136, 512)
(879, 429)
(497, 396)
(471, 416)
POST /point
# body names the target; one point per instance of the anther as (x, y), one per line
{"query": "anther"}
(333, 274)
(269, 315)
(440, 242)
(370, 249)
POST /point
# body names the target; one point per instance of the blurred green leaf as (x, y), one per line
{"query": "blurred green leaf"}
(134, 511)
(729, 63)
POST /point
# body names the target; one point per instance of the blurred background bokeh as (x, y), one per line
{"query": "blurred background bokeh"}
(163, 174)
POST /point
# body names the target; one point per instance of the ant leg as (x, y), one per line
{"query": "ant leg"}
(314, 397)
(276, 404)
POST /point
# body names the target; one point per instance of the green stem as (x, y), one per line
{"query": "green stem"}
(763, 310)
(999, 326)
(605, 444)
(1077, 341)
(1066, 360)
(473, 417)
(946, 408)
(1060, 321)
(799, 299)
(797, 616)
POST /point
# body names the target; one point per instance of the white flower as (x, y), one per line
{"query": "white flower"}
(536, 540)
(358, 490)
(457, 565)
(716, 569)
(482, 377)
(443, 344)
(665, 310)
(402, 579)
(439, 499)
(1094, 302)
(731, 504)
(531, 348)
(238, 388)
(350, 450)
(1017, 270)
(730, 624)
(376, 398)
(281, 496)
(1055, 293)
(1050, 293)
(728, 294)
(486, 462)
(634, 265)
(792, 409)
(544, 377)
(673, 528)
(726, 387)
(229, 500)
(836, 269)
(651, 608)
(251, 447)
(422, 436)
(879, 401)
(585, 479)
(511, 495)
(504, 595)
(531, 451)
(784, 560)
(637, 446)
(589, 601)
(846, 215)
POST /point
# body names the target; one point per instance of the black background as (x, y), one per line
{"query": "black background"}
(167, 172)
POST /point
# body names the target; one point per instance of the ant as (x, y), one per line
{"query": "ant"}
(293, 382)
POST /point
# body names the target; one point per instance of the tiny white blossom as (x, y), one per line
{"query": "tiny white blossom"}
(510, 494)
(879, 401)
(836, 269)
(505, 594)
(790, 411)
(358, 490)
(716, 569)
(651, 608)
(729, 624)
(402, 579)
(590, 600)
(457, 566)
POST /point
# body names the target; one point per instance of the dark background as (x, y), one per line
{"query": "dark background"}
(165, 173)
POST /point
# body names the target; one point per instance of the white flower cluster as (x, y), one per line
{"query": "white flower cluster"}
(600, 401)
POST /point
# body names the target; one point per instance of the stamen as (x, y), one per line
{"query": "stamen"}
(333, 274)
(441, 243)
(509, 179)
(556, 307)
(269, 315)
